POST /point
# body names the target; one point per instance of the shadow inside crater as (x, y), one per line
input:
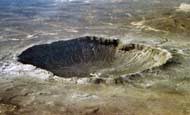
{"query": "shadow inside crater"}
(77, 57)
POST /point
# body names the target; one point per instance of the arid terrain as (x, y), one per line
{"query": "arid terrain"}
(94, 57)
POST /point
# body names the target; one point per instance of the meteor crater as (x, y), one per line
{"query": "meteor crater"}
(90, 55)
